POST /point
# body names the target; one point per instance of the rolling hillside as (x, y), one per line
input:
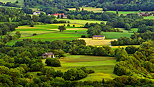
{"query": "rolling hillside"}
(20, 2)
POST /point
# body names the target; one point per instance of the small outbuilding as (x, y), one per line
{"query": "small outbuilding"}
(48, 55)
(98, 37)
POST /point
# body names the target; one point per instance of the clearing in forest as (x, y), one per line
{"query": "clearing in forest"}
(103, 66)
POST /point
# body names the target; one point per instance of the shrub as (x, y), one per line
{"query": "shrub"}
(53, 62)
(32, 25)
(83, 36)
(34, 34)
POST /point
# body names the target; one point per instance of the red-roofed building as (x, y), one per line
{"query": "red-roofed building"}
(146, 14)
(59, 15)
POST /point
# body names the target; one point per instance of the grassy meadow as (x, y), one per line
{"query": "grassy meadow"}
(103, 66)
(115, 35)
(20, 2)
(81, 21)
(96, 10)
(125, 12)
(149, 17)
(50, 32)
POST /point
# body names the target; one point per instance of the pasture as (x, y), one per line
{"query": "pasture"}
(103, 66)
(149, 17)
(126, 12)
(82, 22)
(115, 35)
(50, 32)
(96, 10)
(20, 2)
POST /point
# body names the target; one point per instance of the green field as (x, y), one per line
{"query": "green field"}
(149, 17)
(134, 29)
(125, 12)
(96, 10)
(20, 2)
(50, 32)
(115, 35)
(81, 21)
(103, 66)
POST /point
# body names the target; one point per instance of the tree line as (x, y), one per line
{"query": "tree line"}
(127, 5)
(135, 39)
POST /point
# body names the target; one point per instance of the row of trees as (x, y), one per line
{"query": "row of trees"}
(84, 15)
(95, 28)
(135, 39)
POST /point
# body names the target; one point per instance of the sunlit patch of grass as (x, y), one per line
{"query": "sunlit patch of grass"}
(103, 66)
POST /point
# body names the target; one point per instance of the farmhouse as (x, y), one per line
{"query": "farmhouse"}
(48, 55)
(59, 15)
(145, 14)
(98, 37)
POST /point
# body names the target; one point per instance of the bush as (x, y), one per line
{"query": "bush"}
(31, 25)
(83, 36)
(53, 62)
(74, 74)
(68, 25)
(34, 34)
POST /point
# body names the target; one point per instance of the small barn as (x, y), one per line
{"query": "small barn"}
(48, 55)
(98, 37)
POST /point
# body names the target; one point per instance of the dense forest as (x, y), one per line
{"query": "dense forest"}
(121, 5)
(25, 56)
(125, 5)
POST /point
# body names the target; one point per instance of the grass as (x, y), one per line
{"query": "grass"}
(124, 12)
(96, 10)
(20, 2)
(82, 22)
(149, 17)
(134, 29)
(115, 35)
(103, 66)
(50, 32)
(54, 35)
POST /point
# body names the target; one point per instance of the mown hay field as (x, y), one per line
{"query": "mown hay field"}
(91, 42)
